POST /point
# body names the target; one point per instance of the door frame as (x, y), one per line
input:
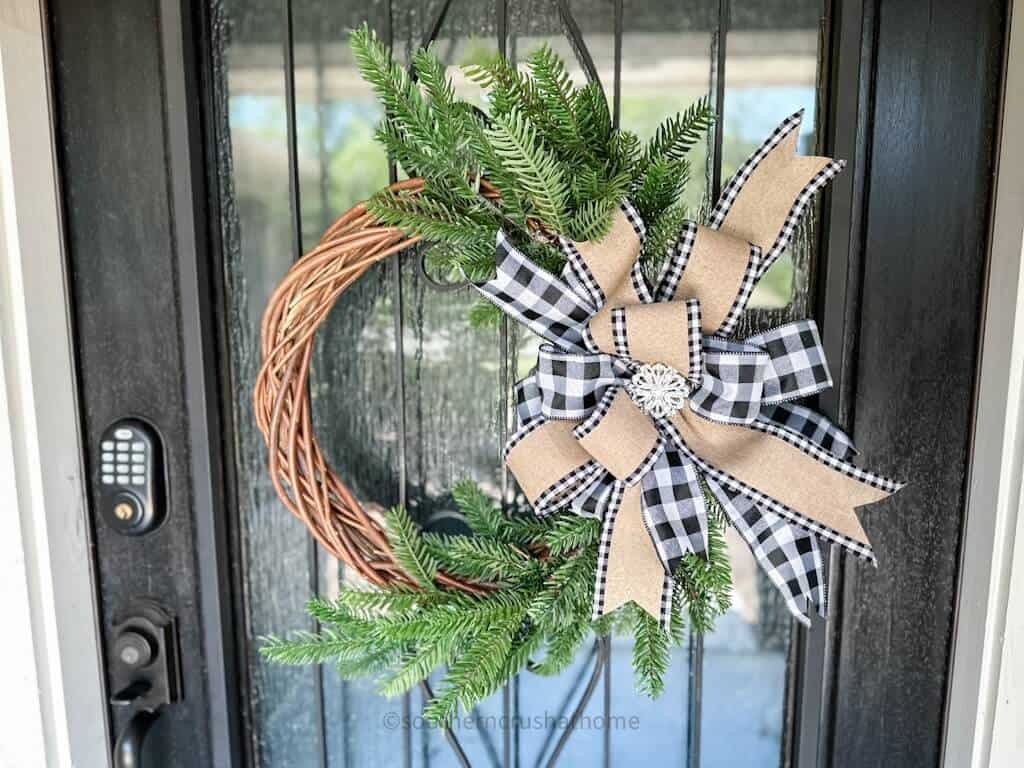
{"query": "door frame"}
(199, 280)
(986, 693)
(54, 664)
(38, 347)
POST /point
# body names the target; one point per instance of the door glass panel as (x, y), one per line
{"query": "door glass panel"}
(257, 232)
(390, 415)
(771, 70)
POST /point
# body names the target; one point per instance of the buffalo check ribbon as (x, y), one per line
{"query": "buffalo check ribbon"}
(642, 402)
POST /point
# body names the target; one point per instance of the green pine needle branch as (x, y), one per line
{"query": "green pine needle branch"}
(548, 146)
(536, 616)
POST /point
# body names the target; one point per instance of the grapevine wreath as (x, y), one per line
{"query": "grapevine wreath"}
(645, 428)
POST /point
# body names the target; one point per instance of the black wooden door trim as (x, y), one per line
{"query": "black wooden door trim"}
(990, 552)
(849, 50)
(180, 30)
(913, 277)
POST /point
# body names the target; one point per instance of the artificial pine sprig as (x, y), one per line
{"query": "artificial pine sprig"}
(535, 616)
(411, 552)
(547, 146)
(651, 648)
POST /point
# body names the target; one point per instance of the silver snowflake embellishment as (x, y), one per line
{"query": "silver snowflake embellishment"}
(658, 390)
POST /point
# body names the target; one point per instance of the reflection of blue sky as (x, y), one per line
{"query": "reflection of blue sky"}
(252, 112)
(751, 114)
(249, 111)
(340, 116)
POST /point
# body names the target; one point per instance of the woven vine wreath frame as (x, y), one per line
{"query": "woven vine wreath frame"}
(307, 486)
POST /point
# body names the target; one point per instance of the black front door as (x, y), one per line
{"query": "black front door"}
(204, 146)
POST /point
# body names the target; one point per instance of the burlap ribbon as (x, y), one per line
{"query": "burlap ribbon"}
(641, 402)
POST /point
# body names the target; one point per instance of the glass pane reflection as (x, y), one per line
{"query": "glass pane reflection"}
(771, 71)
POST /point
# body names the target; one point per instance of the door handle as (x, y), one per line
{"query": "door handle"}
(146, 676)
(128, 749)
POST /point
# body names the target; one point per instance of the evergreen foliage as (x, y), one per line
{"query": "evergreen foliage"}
(547, 146)
(560, 166)
(536, 615)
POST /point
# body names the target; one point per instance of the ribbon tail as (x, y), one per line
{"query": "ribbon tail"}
(764, 199)
(675, 510)
(809, 425)
(628, 568)
(785, 474)
(752, 222)
(789, 555)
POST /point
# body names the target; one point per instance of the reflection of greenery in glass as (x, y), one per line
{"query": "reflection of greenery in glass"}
(359, 167)
(337, 149)
(642, 112)
(475, 51)
(356, 165)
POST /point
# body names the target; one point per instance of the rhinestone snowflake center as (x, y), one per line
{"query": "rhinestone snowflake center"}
(658, 390)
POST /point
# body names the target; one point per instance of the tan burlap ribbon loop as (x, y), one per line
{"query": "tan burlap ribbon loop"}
(651, 333)
(544, 458)
(620, 436)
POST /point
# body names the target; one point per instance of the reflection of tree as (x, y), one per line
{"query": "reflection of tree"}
(352, 384)
(452, 387)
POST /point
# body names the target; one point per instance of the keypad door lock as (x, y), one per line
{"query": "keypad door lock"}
(131, 477)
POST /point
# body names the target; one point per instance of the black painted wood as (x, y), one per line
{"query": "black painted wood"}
(932, 102)
(113, 161)
(914, 279)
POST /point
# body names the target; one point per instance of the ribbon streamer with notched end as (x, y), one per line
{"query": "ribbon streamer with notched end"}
(641, 402)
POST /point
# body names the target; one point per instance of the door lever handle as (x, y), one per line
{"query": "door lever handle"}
(145, 677)
(128, 749)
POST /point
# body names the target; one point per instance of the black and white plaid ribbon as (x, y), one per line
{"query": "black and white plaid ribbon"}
(749, 382)
(739, 381)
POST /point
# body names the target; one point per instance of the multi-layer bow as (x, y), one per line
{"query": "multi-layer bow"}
(640, 398)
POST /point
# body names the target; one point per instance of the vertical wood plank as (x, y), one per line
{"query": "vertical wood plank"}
(112, 140)
(934, 105)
